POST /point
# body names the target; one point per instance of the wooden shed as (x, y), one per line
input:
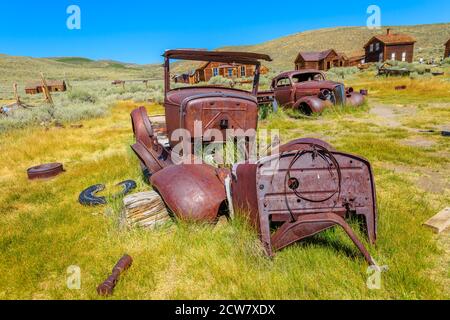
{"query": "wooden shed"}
(447, 50)
(390, 46)
(53, 86)
(233, 71)
(324, 60)
(356, 58)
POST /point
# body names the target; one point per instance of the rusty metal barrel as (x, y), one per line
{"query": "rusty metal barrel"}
(45, 171)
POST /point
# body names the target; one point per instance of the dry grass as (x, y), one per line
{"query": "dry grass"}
(44, 230)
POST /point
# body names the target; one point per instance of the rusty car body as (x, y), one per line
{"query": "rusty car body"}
(311, 188)
(310, 92)
(215, 107)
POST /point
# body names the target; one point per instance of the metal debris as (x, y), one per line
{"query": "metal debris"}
(45, 171)
(107, 287)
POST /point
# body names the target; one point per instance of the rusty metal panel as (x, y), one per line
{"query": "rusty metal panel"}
(192, 192)
(150, 152)
(306, 182)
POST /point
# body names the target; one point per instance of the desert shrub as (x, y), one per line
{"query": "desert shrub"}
(341, 73)
(414, 75)
(446, 61)
(81, 96)
(21, 118)
(219, 80)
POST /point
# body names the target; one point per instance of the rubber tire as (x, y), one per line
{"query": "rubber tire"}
(127, 185)
(87, 197)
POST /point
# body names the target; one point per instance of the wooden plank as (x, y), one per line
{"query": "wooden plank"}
(439, 222)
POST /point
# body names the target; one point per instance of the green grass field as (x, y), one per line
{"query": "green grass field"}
(43, 229)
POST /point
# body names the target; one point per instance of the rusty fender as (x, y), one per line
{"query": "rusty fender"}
(312, 189)
(150, 152)
(315, 104)
(193, 192)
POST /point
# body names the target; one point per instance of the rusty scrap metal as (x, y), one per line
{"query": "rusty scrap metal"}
(313, 189)
(107, 287)
(194, 192)
(152, 154)
(45, 171)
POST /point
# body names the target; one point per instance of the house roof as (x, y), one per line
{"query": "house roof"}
(314, 56)
(392, 39)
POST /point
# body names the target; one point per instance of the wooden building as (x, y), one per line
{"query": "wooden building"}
(390, 46)
(356, 59)
(447, 50)
(324, 60)
(53, 86)
(212, 69)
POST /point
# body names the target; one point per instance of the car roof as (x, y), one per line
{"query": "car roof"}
(303, 71)
(216, 56)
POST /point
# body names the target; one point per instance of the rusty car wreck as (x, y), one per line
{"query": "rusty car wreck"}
(310, 92)
(298, 190)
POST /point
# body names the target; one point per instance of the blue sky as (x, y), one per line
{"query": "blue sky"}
(139, 31)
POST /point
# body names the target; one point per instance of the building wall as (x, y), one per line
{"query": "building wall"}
(447, 50)
(205, 74)
(374, 56)
(302, 64)
(398, 50)
(329, 62)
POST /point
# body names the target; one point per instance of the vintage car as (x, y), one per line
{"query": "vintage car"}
(309, 92)
(216, 109)
(311, 188)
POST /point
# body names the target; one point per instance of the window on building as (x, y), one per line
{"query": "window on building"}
(215, 72)
(393, 56)
(404, 56)
(377, 46)
(380, 57)
(243, 73)
(230, 72)
(371, 47)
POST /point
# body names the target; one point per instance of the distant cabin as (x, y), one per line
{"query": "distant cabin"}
(323, 60)
(447, 49)
(53, 86)
(390, 46)
(212, 69)
(356, 59)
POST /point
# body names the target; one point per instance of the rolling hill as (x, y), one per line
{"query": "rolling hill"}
(349, 40)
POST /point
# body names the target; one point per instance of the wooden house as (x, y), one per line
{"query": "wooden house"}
(390, 46)
(53, 86)
(233, 71)
(447, 50)
(324, 60)
(356, 59)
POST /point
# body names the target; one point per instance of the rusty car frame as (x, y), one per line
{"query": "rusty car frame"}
(311, 188)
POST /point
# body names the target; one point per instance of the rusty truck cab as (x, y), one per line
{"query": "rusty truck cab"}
(214, 108)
